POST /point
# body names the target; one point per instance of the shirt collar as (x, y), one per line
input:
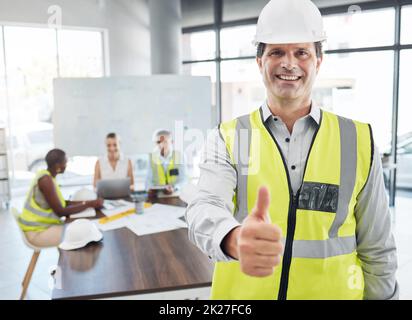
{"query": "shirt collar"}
(169, 155)
(314, 112)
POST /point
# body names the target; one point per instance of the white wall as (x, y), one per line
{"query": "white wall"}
(127, 22)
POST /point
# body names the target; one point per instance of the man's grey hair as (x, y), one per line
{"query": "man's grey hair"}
(161, 132)
(261, 49)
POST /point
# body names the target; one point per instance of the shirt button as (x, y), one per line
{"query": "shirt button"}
(287, 140)
(293, 167)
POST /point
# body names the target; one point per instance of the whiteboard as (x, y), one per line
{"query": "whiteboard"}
(86, 110)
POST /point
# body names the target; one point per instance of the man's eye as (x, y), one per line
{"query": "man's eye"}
(302, 53)
(276, 53)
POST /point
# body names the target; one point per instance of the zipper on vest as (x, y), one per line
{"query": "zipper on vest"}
(293, 205)
(287, 256)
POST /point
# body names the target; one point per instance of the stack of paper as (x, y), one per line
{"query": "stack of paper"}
(165, 211)
(157, 218)
(148, 224)
(89, 212)
(114, 207)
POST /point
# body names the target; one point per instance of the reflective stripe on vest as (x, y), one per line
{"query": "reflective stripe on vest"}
(159, 176)
(320, 259)
(323, 248)
(35, 218)
(32, 224)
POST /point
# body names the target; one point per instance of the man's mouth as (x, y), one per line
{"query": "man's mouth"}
(288, 77)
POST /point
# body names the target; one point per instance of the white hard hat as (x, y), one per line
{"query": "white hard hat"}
(79, 233)
(84, 194)
(289, 21)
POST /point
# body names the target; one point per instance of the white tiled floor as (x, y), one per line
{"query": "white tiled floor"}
(15, 257)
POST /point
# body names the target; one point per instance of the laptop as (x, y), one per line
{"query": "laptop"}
(113, 188)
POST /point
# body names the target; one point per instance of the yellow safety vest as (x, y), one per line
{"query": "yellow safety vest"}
(160, 177)
(35, 218)
(318, 223)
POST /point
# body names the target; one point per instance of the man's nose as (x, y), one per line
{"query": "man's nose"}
(289, 62)
(287, 66)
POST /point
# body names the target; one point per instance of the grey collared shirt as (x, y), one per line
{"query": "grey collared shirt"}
(210, 217)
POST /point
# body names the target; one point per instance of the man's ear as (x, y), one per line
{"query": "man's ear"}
(259, 63)
(319, 61)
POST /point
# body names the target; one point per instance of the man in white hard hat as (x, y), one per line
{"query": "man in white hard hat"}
(291, 201)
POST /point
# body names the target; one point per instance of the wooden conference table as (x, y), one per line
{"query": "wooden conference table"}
(164, 265)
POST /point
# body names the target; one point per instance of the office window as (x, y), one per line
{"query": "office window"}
(405, 94)
(31, 57)
(404, 157)
(201, 69)
(364, 29)
(199, 45)
(237, 42)
(242, 9)
(3, 107)
(242, 88)
(359, 86)
(34, 57)
(80, 53)
(406, 29)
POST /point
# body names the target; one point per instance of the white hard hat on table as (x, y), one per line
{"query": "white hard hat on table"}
(79, 233)
(289, 21)
(84, 194)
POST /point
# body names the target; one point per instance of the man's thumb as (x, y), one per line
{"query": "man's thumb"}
(262, 204)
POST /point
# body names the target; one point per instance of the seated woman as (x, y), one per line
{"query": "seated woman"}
(113, 165)
(45, 205)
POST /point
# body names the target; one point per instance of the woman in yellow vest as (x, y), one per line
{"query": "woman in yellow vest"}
(45, 206)
(291, 202)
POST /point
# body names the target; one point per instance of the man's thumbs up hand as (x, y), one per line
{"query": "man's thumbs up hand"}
(261, 209)
(257, 242)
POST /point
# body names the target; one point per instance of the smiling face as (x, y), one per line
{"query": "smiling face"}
(289, 70)
(112, 145)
